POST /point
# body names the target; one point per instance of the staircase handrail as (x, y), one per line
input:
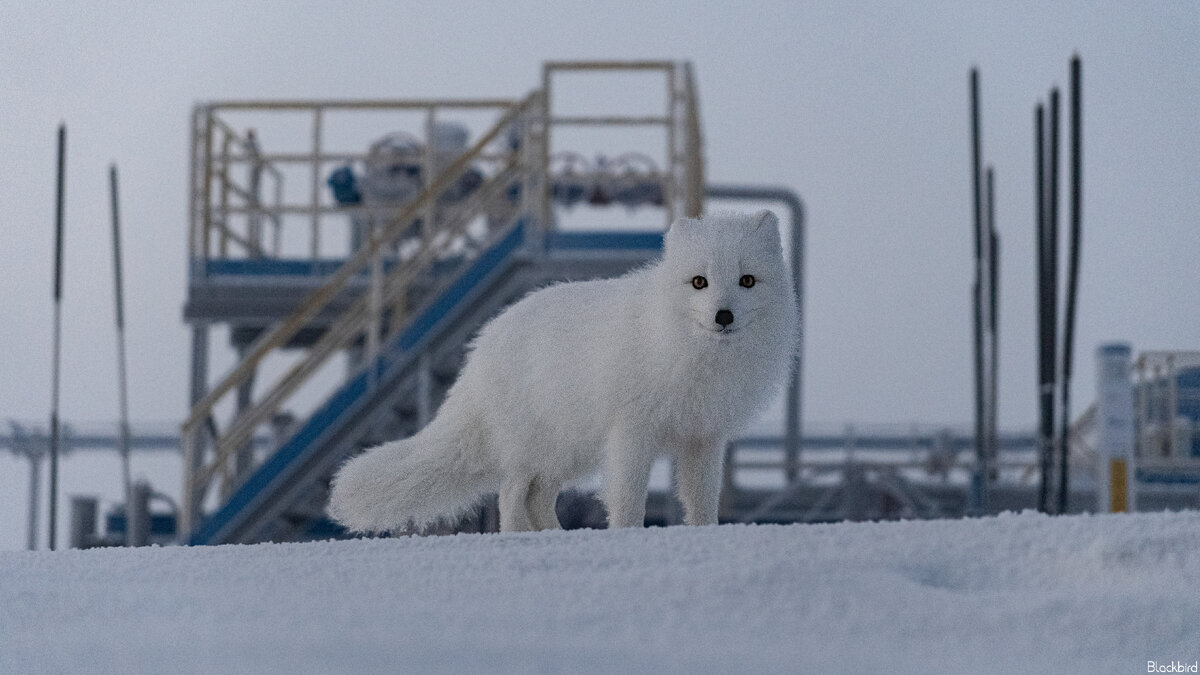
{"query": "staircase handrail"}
(322, 296)
(320, 299)
(338, 334)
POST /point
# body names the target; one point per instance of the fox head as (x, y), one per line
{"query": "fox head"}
(724, 276)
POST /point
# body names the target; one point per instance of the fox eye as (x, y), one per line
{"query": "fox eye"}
(699, 282)
(747, 280)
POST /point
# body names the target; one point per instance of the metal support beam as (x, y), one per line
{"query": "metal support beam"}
(193, 459)
(244, 460)
(54, 386)
(424, 390)
(35, 483)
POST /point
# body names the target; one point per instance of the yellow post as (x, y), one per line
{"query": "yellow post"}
(1114, 442)
(1118, 496)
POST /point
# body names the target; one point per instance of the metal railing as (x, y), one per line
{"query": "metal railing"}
(371, 289)
(683, 180)
(229, 170)
(1167, 410)
(227, 184)
(364, 317)
(1166, 413)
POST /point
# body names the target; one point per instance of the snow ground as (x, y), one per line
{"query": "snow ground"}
(1017, 593)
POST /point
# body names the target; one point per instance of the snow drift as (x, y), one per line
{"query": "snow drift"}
(1016, 593)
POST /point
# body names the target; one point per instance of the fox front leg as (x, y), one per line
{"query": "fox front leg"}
(626, 477)
(698, 477)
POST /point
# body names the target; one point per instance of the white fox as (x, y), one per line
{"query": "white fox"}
(675, 357)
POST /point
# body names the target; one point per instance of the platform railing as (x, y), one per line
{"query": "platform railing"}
(1167, 410)
(362, 318)
(228, 165)
(231, 171)
(682, 181)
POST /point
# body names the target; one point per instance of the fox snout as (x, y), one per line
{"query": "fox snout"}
(724, 317)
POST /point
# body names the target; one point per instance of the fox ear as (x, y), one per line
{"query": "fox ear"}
(766, 218)
(679, 226)
(682, 223)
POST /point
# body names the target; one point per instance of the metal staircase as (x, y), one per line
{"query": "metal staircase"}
(421, 275)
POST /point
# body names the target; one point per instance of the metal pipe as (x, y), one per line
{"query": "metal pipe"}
(671, 193)
(424, 390)
(428, 171)
(1051, 237)
(794, 419)
(83, 522)
(58, 271)
(363, 104)
(35, 484)
(1073, 269)
(192, 440)
(546, 212)
(994, 327)
(1040, 238)
(608, 65)
(597, 121)
(206, 192)
(137, 516)
(193, 191)
(122, 381)
(980, 479)
(315, 234)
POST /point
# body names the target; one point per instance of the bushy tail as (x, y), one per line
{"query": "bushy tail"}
(417, 481)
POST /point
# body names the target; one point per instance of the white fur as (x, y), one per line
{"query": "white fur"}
(598, 375)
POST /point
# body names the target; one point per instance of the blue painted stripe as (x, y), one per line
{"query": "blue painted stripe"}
(261, 267)
(459, 289)
(351, 394)
(627, 241)
(555, 240)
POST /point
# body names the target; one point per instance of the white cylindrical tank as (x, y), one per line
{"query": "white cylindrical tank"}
(1115, 434)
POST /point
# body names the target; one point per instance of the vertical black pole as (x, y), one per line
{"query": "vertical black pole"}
(1072, 272)
(58, 265)
(993, 324)
(1048, 390)
(979, 489)
(122, 380)
(1043, 375)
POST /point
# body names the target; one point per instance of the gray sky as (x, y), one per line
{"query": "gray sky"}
(860, 107)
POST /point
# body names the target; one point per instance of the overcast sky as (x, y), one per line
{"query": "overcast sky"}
(860, 107)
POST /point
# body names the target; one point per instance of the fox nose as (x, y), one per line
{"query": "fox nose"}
(724, 317)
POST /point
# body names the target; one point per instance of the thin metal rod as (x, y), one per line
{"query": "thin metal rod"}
(1072, 272)
(979, 492)
(993, 326)
(1052, 273)
(58, 273)
(581, 121)
(35, 486)
(363, 104)
(1043, 363)
(315, 233)
(122, 381)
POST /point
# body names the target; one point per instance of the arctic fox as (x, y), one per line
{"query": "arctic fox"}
(605, 375)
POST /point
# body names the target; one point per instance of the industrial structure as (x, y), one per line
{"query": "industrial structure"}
(393, 257)
(349, 250)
